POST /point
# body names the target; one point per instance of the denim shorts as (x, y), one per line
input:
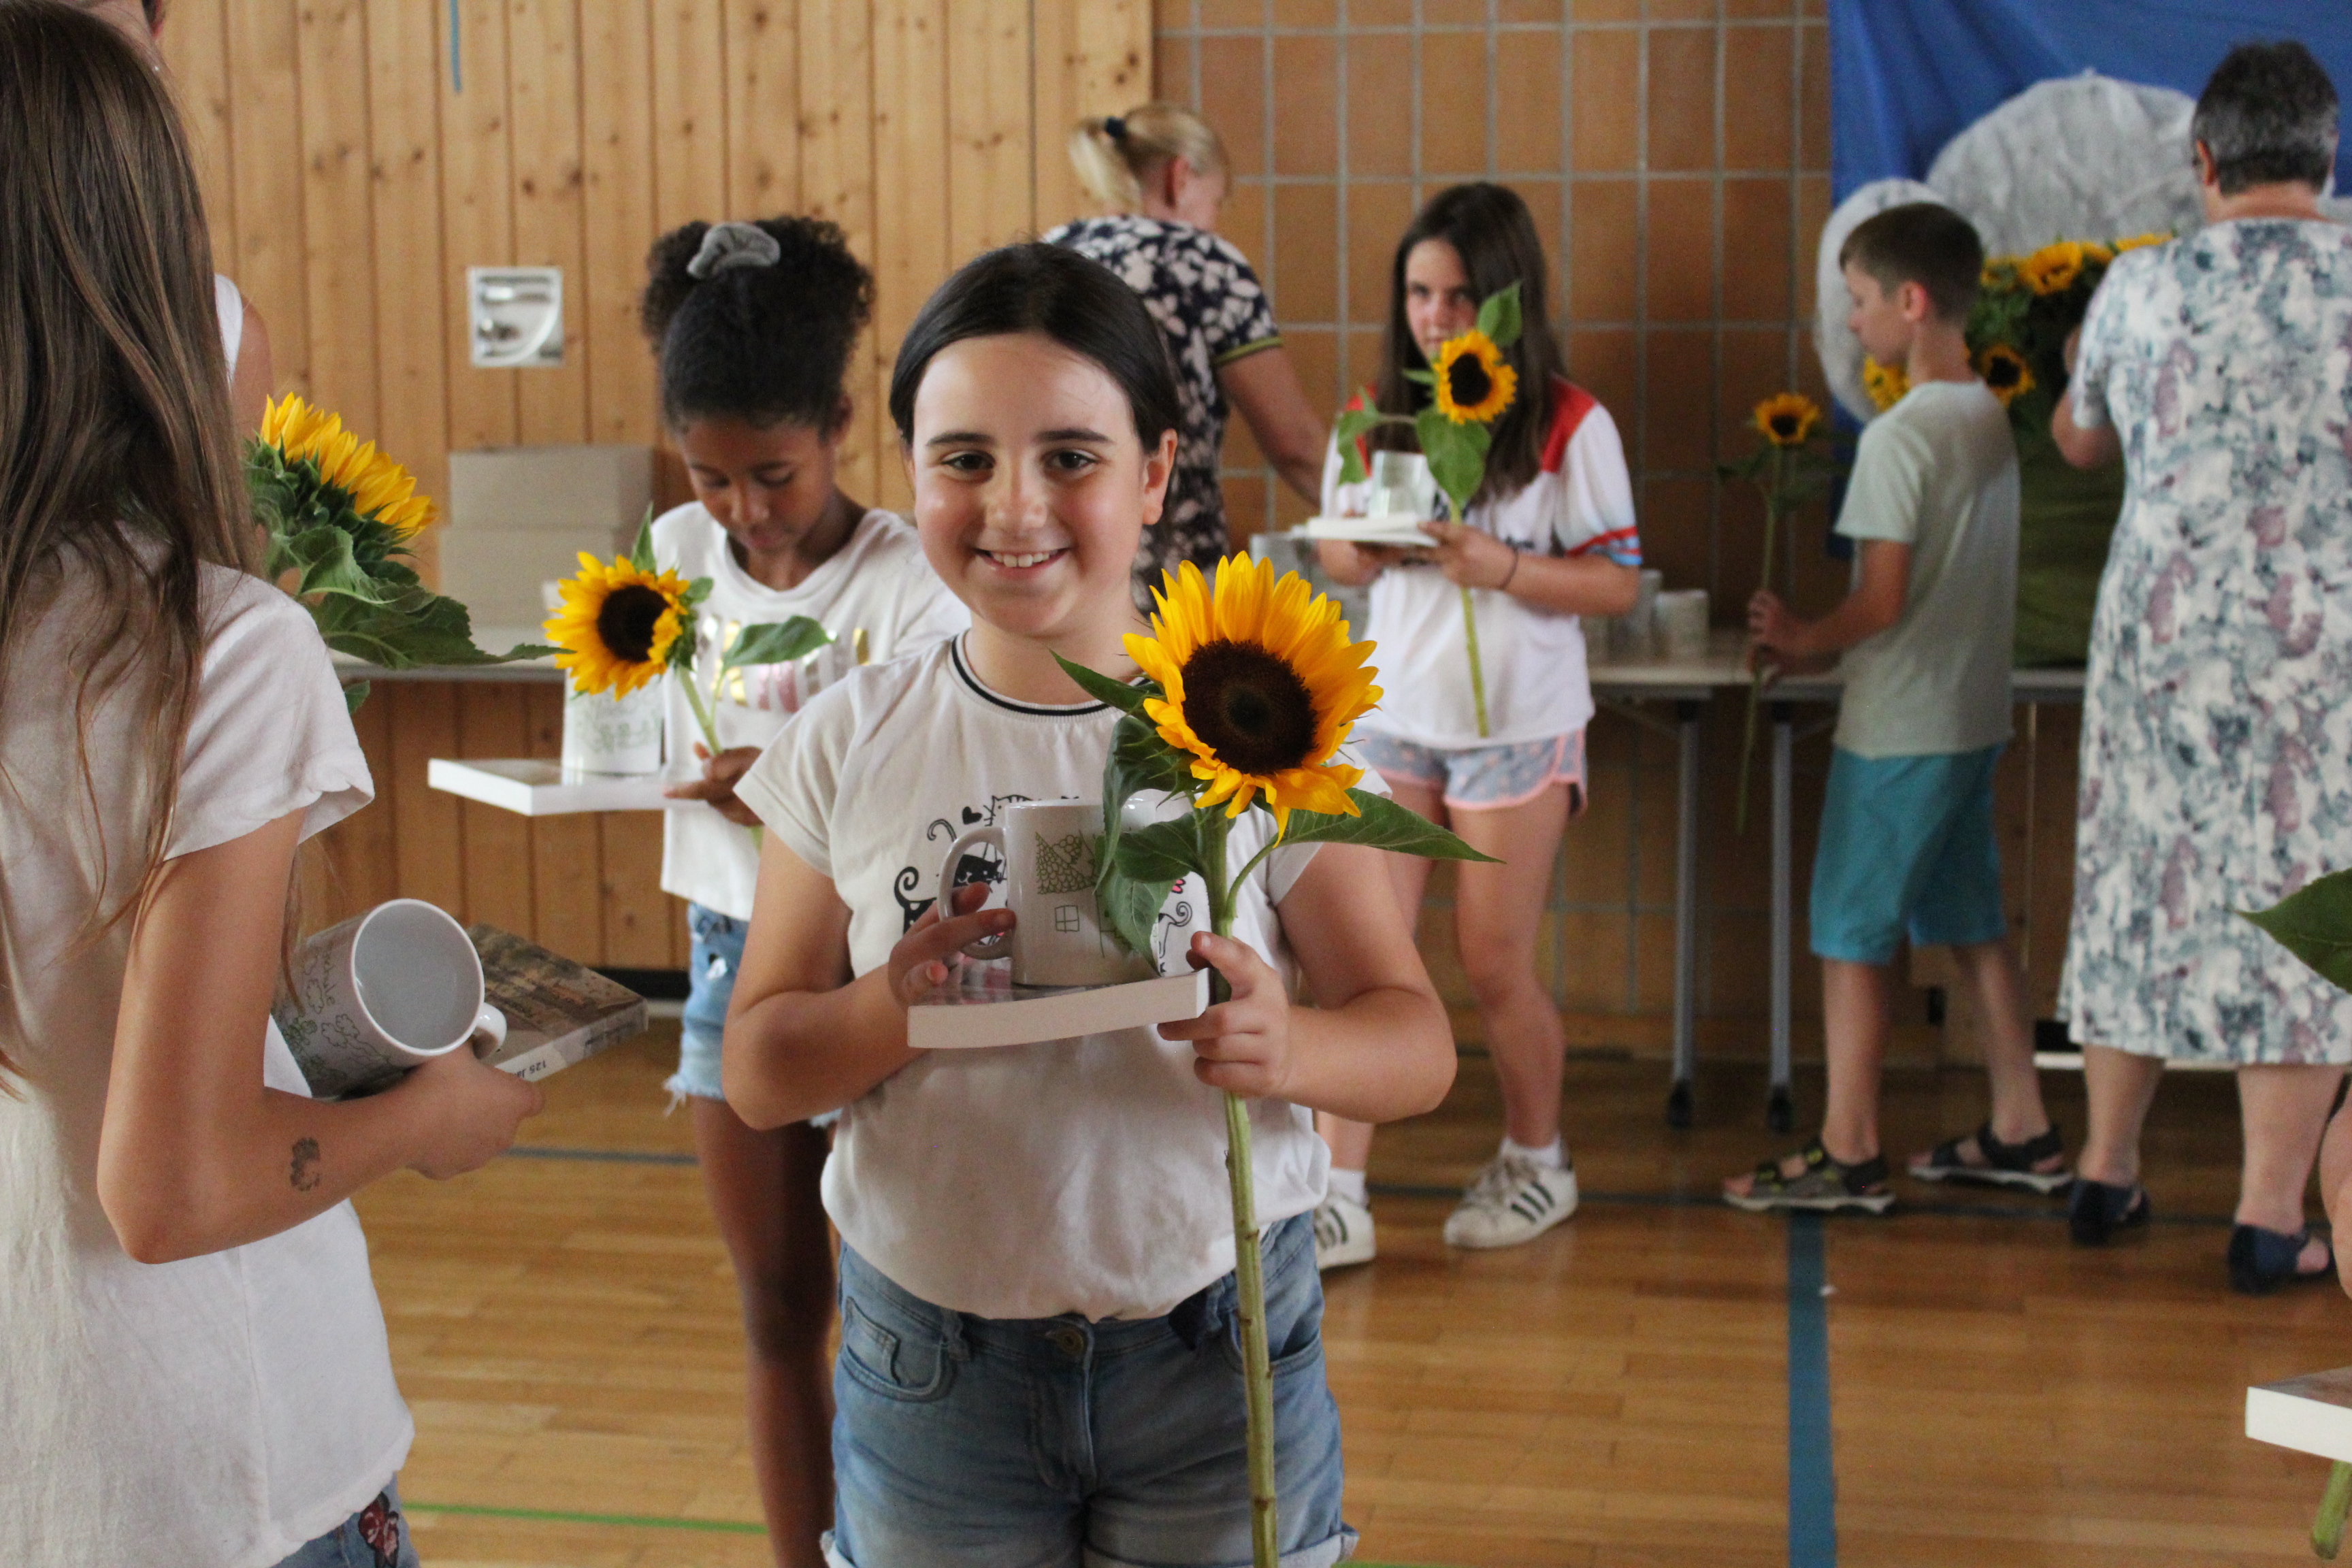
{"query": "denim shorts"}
(965, 1442)
(1906, 849)
(717, 953)
(375, 1537)
(1471, 778)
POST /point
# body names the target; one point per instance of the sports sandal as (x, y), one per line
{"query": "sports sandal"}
(1825, 1185)
(2096, 1210)
(1998, 1165)
(2262, 1260)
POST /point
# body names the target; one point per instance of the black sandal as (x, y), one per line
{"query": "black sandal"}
(2096, 1210)
(2001, 1165)
(1825, 1185)
(2262, 1260)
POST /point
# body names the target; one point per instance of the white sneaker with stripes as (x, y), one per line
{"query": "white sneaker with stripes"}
(1343, 1233)
(1513, 1200)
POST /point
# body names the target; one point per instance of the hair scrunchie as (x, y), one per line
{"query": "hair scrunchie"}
(1115, 128)
(727, 246)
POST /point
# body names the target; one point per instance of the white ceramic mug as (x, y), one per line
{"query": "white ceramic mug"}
(607, 735)
(1058, 939)
(381, 993)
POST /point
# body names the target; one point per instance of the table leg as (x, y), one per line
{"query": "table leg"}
(1678, 1101)
(1780, 1114)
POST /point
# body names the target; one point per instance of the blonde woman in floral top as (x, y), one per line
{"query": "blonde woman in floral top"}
(1162, 173)
(2216, 752)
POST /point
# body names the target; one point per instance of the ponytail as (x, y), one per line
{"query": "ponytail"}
(1114, 153)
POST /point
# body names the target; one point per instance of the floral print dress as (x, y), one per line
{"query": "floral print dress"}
(1212, 311)
(2217, 725)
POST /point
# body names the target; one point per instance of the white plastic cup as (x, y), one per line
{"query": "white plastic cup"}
(1682, 625)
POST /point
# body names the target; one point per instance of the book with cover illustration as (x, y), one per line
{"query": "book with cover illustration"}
(558, 1012)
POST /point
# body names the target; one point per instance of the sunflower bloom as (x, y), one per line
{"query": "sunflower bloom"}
(1886, 383)
(2053, 269)
(1788, 419)
(618, 624)
(1260, 685)
(2006, 374)
(378, 487)
(1474, 383)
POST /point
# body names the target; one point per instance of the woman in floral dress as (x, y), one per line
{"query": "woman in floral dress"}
(1161, 172)
(2216, 734)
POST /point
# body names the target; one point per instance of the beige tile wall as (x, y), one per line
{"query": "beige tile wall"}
(1675, 154)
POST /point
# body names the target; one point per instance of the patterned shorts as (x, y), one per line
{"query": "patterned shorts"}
(1482, 778)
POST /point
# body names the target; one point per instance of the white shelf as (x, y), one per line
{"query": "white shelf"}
(2312, 1413)
(533, 786)
(980, 1006)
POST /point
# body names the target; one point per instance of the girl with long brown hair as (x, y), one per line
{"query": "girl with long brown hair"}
(194, 1367)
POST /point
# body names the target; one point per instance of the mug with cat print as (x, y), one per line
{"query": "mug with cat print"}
(1049, 849)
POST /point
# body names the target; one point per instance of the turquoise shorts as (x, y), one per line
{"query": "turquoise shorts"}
(1907, 849)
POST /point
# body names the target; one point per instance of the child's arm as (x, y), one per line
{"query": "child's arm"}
(802, 1037)
(1875, 603)
(1377, 1047)
(1567, 584)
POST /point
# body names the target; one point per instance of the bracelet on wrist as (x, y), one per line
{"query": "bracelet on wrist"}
(1514, 571)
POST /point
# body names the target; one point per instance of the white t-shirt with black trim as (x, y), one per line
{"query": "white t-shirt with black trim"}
(1080, 1175)
(877, 586)
(1581, 502)
(220, 1411)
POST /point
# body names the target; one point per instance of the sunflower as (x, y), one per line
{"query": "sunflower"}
(2053, 269)
(2006, 374)
(1474, 381)
(617, 625)
(1886, 383)
(1260, 685)
(2141, 241)
(1788, 419)
(379, 488)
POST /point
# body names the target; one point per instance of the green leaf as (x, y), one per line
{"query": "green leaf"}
(1498, 318)
(1457, 457)
(1384, 825)
(775, 642)
(354, 695)
(1132, 908)
(323, 558)
(416, 630)
(1105, 689)
(1164, 852)
(2316, 925)
(1350, 428)
(641, 554)
(1425, 377)
(1139, 760)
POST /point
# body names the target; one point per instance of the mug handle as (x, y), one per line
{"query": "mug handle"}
(489, 1030)
(995, 946)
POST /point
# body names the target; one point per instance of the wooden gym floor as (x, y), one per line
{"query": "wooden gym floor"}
(1644, 1385)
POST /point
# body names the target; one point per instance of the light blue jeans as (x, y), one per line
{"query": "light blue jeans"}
(966, 1442)
(711, 966)
(375, 1537)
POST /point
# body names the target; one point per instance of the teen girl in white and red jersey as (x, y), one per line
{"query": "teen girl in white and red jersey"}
(1551, 538)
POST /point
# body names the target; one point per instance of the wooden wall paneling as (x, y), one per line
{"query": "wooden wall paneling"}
(361, 849)
(690, 118)
(991, 161)
(1093, 56)
(493, 721)
(638, 916)
(543, 100)
(338, 215)
(838, 182)
(476, 217)
(266, 111)
(763, 96)
(428, 830)
(566, 852)
(617, 161)
(406, 75)
(196, 56)
(911, 250)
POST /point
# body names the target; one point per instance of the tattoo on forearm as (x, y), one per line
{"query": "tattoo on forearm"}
(303, 1173)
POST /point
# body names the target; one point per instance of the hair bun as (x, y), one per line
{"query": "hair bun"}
(1115, 128)
(726, 245)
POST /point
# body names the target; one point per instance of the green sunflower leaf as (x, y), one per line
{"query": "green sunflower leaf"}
(323, 558)
(1457, 457)
(1164, 852)
(1498, 318)
(775, 642)
(2316, 925)
(1425, 377)
(354, 694)
(1350, 428)
(1138, 761)
(1108, 688)
(641, 552)
(1384, 825)
(1132, 908)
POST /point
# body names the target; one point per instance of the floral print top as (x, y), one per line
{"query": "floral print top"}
(1209, 304)
(2217, 736)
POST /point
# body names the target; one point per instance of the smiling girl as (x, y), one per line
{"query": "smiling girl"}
(1039, 1362)
(754, 324)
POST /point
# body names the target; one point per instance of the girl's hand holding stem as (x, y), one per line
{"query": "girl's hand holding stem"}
(1242, 1045)
(721, 774)
(1470, 557)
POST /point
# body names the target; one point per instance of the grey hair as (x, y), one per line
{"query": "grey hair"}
(2267, 116)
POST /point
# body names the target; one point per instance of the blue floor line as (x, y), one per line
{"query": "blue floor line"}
(1812, 1479)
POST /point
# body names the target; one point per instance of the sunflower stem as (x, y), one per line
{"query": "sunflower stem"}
(1478, 672)
(1249, 1274)
(701, 710)
(1774, 497)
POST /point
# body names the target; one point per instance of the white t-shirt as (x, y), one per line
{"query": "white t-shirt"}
(1938, 472)
(228, 305)
(220, 1411)
(1580, 503)
(1081, 1175)
(877, 583)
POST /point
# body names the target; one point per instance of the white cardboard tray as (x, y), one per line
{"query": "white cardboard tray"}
(534, 786)
(980, 1006)
(1403, 531)
(2311, 1414)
